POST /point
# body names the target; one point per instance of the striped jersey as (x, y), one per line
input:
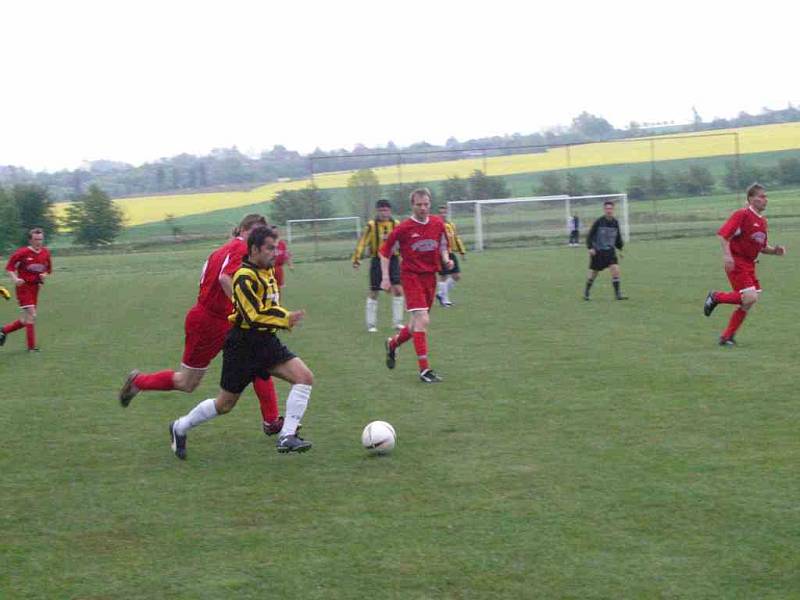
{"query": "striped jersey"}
(256, 300)
(373, 237)
(453, 240)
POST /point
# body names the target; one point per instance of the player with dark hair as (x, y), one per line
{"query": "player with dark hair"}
(449, 277)
(206, 326)
(253, 350)
(743, 237)
(603, 241)
(28, 268)
(422, 243)
(375, 234)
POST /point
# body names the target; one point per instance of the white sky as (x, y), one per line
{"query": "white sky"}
(139, 80)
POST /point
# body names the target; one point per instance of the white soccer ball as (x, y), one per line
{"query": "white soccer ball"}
(379, 437)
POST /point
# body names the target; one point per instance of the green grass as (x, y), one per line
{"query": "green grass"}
(575, 450)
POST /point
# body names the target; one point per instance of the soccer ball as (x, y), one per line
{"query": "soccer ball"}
(379, 437)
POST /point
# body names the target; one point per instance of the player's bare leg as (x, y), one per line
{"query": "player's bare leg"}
(186, 379)
(615, 276)
(301, 378)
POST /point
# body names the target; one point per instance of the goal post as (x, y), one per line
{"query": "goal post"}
(529, 221)
(328, 238)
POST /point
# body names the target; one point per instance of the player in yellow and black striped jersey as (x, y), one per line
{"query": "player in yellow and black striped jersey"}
(376, 232)
(252, 348)
(448, 277)
(5, 293)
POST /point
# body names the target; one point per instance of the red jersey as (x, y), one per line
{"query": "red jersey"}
(420, 245)
(224, 260)
(746, 231)
(28, 263)
(282, 254)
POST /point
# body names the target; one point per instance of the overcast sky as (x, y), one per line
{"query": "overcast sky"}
(139, 80)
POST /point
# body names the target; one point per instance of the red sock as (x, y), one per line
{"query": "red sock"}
(267, 398)
(30, 334)
(421, 347)
(736, 321)
(402, 337)
(162, 381)
(13, 326)
(728, 297)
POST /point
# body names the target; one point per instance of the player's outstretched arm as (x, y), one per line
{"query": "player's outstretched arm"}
(727, 257)
(777, 250)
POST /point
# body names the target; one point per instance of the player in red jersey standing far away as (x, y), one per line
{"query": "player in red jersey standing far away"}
(28, 267)
(743, 237)
(422, 242)
(206, 326)
(282, 257)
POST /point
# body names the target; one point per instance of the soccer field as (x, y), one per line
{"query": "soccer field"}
(575, 449)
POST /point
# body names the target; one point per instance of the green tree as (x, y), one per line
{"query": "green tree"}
(738, 176)
(638, 187)
(94, 219)
(789, 171)
(10, 227)
(575, 184)
(483, 187)
(364, 189)
(696, 181)
(308, 203)
(453, 188)
(600, 184)
(551, 184)
(35, 209)
(659, 184)
(591, 126)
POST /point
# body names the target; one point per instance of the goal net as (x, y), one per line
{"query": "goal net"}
(537, 220)
(322, 239)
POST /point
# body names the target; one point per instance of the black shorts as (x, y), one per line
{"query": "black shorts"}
(375, 274)
(602, 259)
(455, 269)
(248, 354)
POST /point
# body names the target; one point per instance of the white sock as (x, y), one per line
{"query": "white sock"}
(372, 313)
(202, 412)
(296, 404)
(398, 310)
(441, 288)
(449, 284)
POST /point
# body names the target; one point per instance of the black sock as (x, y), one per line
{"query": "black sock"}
(615, 283)
(589, 283)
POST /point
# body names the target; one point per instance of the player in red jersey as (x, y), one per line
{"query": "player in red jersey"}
(28, 267)
(282, 257)
(743, 237)
(422, 242)
(206, 326)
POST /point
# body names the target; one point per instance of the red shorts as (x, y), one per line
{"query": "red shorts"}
(419, 290)
(28, 294)
(205, 336)
(743, 276)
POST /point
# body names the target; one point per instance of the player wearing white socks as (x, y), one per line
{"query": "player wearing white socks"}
(376, 232)
(448, 277)
(253, 350)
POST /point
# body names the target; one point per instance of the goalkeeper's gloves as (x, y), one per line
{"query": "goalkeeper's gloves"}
(5, 293)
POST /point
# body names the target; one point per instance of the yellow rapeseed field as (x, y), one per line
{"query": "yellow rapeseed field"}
(765, 138)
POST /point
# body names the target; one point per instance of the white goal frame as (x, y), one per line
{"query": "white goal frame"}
(479, 237)
(290, 221)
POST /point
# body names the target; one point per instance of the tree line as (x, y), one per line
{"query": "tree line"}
(93, 218)
(227, 168)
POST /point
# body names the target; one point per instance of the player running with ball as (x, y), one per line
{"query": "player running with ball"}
(743, 237)
(422, 242)
(253, 350)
